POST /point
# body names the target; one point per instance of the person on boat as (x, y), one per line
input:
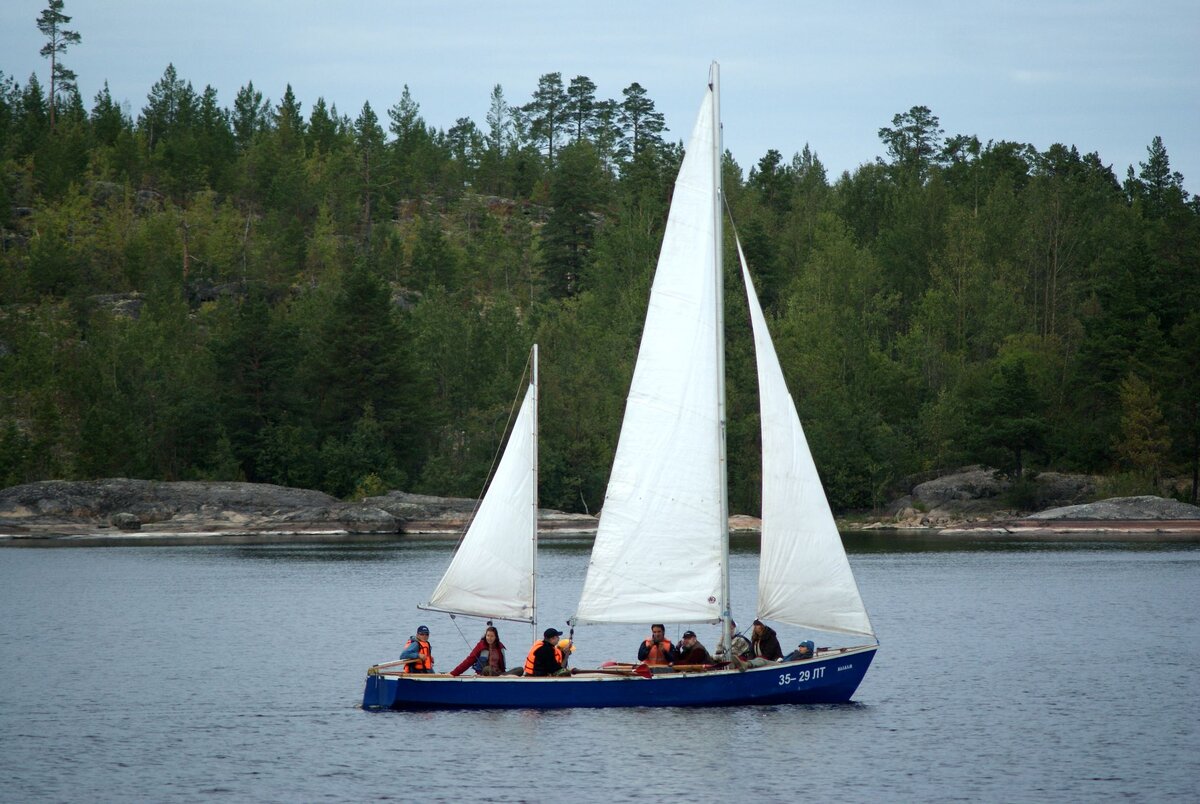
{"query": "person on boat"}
(545, 658)
(690, 651)
(765, 644)
(742, 649)
(487, 657)
(805, 650)
(656, 649)
(417, 654)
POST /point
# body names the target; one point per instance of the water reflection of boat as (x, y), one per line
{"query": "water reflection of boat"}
(662, 550)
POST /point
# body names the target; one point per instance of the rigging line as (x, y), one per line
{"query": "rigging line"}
(521, 388)
(466, 641)
(729, 214)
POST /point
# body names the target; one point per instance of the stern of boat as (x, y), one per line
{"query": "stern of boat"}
(379, 692)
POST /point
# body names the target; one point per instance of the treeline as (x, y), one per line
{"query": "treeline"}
(263, 292)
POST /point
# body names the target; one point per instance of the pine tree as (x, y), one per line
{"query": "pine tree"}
(575, 193)
(641, 124)
(581, 107)
(1144, 439)
(369, 144)
(251, 114)
(50, 23)
(915, 144)
(547, 113)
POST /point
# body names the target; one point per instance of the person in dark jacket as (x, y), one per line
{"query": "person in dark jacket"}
(765, 644)
(545, 658)
(487, 656)
(690, 651)
(805, 650)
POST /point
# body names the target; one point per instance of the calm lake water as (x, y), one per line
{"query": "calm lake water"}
(1007, 672)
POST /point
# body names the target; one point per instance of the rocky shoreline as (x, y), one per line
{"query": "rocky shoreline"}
(124, 511)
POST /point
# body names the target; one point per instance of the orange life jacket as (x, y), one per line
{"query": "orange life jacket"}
(425, 663)
(529, 659)
(660, 653)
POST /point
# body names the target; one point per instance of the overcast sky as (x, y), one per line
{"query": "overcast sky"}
(1103, 75)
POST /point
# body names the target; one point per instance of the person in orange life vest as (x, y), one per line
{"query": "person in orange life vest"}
(545, 658)
(487, 656)
(656, 649)
(417, 653)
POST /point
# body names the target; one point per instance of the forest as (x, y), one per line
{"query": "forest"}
(266, 292)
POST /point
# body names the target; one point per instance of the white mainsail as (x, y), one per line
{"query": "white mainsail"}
(658, 552)
(804, 577)
(492, 572)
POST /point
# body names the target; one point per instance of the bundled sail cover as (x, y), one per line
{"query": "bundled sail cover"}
(491, 574)
(657, 555)
(804, 577)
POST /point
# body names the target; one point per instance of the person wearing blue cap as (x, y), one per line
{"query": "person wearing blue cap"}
(417, 654)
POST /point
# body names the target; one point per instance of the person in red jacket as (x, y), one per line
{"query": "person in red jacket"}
(487, 656)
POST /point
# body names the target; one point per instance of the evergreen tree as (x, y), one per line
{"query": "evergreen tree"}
(641, 125)
(581, 108)
(322, 130)
(1008, 423)
(548, 113)
(773, 181)
(606, 132)
(1144, 438)
(359, 359)
(1157, 186)
(576, 191)
(1185, 396)
(33, 118)
(170, 108)
(369, 145)
(58, 39)
(499, 121)
(915, 142)
(289, 123)
(434, 263)
(251, 114)
(108, 121)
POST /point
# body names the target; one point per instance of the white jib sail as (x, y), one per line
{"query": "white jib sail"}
(657, 555)
(491, 574)
(804, 577)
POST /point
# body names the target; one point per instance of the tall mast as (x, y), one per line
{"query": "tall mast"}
(533, 378)
(714, 82)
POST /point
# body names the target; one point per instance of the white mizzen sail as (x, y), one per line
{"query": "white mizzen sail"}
(804, 577)
(658, 551)
(492, 572)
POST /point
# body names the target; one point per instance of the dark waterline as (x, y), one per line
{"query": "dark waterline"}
(1007, 672)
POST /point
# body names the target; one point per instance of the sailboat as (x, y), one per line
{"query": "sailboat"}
(662, 548)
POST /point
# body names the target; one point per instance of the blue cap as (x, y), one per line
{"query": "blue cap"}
(423, 629)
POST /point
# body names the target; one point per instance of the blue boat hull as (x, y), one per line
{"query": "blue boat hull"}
(827, 679)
